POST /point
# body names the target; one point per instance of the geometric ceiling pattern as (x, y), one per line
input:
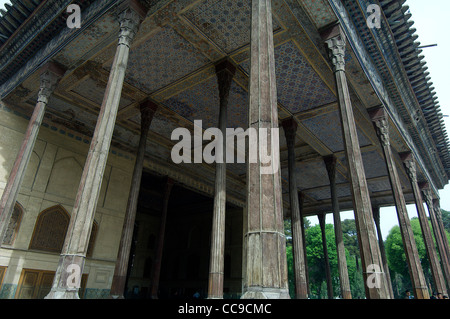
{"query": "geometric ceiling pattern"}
(299, 88)
(172, 63)
(201, 102)
(163, 58)
(227, 21)
(327, 127)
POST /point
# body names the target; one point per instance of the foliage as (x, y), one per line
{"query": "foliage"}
(394, 250)
(446, 220)
(397, 259)
(316, 262)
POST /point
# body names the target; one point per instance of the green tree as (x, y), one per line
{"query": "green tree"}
(316, 264)
(351, 239)
(397, 259)
(446, 220)
(289, 253)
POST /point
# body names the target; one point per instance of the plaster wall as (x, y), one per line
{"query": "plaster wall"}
(52, 177)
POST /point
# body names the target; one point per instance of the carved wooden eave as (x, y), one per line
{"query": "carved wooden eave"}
(391, 59)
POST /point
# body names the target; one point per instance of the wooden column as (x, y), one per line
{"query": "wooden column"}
(156, 272)
(301, 286)
(437, 210)
(265, 275)
(73, 255)
(330, 164)
(301, 199)
(376, 217)
(147, 109)
(426, 191)
(225, 72)
(50, 74)
(326, 259)
(419, 284)
(436, 271)
(369, 250)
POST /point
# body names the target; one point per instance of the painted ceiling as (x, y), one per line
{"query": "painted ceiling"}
(172, 62)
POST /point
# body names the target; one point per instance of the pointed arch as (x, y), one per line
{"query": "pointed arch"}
(50, 229)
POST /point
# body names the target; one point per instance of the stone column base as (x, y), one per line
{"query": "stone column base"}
(63, 294)
(266, 293)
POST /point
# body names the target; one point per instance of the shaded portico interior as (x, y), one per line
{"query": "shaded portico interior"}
(187, 243)
(172, 63)
(179, 76)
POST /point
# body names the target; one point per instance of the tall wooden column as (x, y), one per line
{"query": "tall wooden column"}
(419, 284)
(73, 255)
(325, 256)
(330, 164)
(437, 210)
(426, 191)
(301, 286)
(410, 167)
(369, 250)
(225, 72)
(376, 217)
(156, 272)
(301, 199)
(147, 109)
(265, 275)
(50, 74)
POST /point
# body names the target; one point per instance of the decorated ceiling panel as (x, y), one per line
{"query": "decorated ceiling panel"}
(320, 12)
(172, 63)
(92, 91)
(323, 193)
(201, 102)
(379, 185)
(89, 39)
(327, 128)
(374, 164)
(225, 22)
(311, 174)
(162, 59)
(299, 88)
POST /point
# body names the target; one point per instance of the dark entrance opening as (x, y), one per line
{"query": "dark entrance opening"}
(187, 243)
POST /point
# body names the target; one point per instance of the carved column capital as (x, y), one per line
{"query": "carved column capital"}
(330, 164)
(380, 121)
(148, 109)
(50, 75)
(130, 16)
(410, 166)
(334, 39)
(336, 52)
(437, 205)
(427, 195)
(225, 71)
(290, 129)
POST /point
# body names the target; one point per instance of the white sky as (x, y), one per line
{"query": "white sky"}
(429, 18)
